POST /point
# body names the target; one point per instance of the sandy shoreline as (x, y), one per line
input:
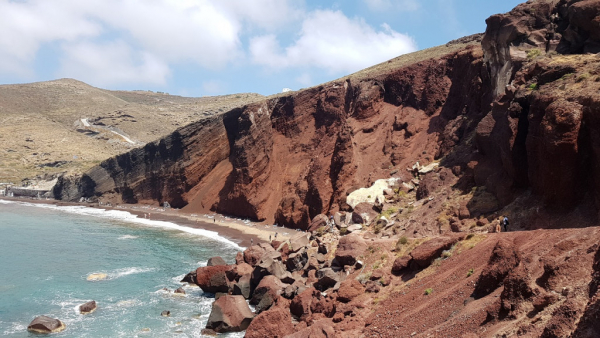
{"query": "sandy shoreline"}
(240, 231)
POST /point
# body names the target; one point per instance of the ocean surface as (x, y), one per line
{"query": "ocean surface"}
(47, 252)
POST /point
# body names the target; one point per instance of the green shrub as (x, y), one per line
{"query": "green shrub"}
(533, 53)
(428, 291)
(470, 273)
(582, 77)
(343, 231)
(533, 86)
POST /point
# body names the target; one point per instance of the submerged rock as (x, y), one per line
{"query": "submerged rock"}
(97, 276)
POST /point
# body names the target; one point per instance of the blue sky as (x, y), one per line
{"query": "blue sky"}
(213, 47)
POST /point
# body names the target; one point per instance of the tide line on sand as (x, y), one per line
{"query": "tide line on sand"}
(125, 216)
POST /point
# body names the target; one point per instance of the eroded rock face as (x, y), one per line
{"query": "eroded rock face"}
(504, 258)
(229, 314)
(232, 163)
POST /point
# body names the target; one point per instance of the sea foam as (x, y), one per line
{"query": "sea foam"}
(125, 216)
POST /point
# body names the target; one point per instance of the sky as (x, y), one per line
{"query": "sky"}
(214, 47)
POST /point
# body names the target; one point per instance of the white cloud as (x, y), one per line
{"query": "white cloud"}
(200, 32)
(112, 63)
(25, 26)
(331, 41)
(387, 5)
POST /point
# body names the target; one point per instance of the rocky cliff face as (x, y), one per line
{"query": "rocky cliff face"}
(517, 113)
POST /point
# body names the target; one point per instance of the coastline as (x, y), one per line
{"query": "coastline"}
(239, 231)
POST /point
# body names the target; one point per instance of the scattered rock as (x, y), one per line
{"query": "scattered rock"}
(297, 260)
(180, 291)
(229, 314)
(166, 313)
(44, 324)
(88, 307)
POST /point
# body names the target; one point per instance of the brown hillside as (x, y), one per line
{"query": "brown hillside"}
(41, 130)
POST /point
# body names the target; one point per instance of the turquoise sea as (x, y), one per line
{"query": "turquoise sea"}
(47, 252)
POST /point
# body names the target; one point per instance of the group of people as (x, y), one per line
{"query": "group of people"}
(503, 223)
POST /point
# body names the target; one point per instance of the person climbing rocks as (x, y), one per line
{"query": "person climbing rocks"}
(505, 223)
(251, 241)
(270, 238)
(275, 235)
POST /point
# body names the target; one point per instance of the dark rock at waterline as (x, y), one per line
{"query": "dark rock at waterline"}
(88, 307)
(189, 278)
(180, 290)
(166, 313)
(44, 324)
(215, 261)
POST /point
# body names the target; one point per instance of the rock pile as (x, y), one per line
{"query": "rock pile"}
(308, 284)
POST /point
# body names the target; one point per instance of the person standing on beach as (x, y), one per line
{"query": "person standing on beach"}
(251, 241)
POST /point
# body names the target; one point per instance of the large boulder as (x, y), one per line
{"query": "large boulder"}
(44, 324)
(424, 254)
(296, 261)
(229, 314)
(272, 265)
(214, 261)
(275, 322)
(349, 249)
(239, 270)
(300, 306)
(400, 264)
(349, 289)
(327, 278)
(88, 307)
(213, 279)
(267, 291)
(253, 254)
(299, 241)
(242, 286)
(318, 222)
(364, 213)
